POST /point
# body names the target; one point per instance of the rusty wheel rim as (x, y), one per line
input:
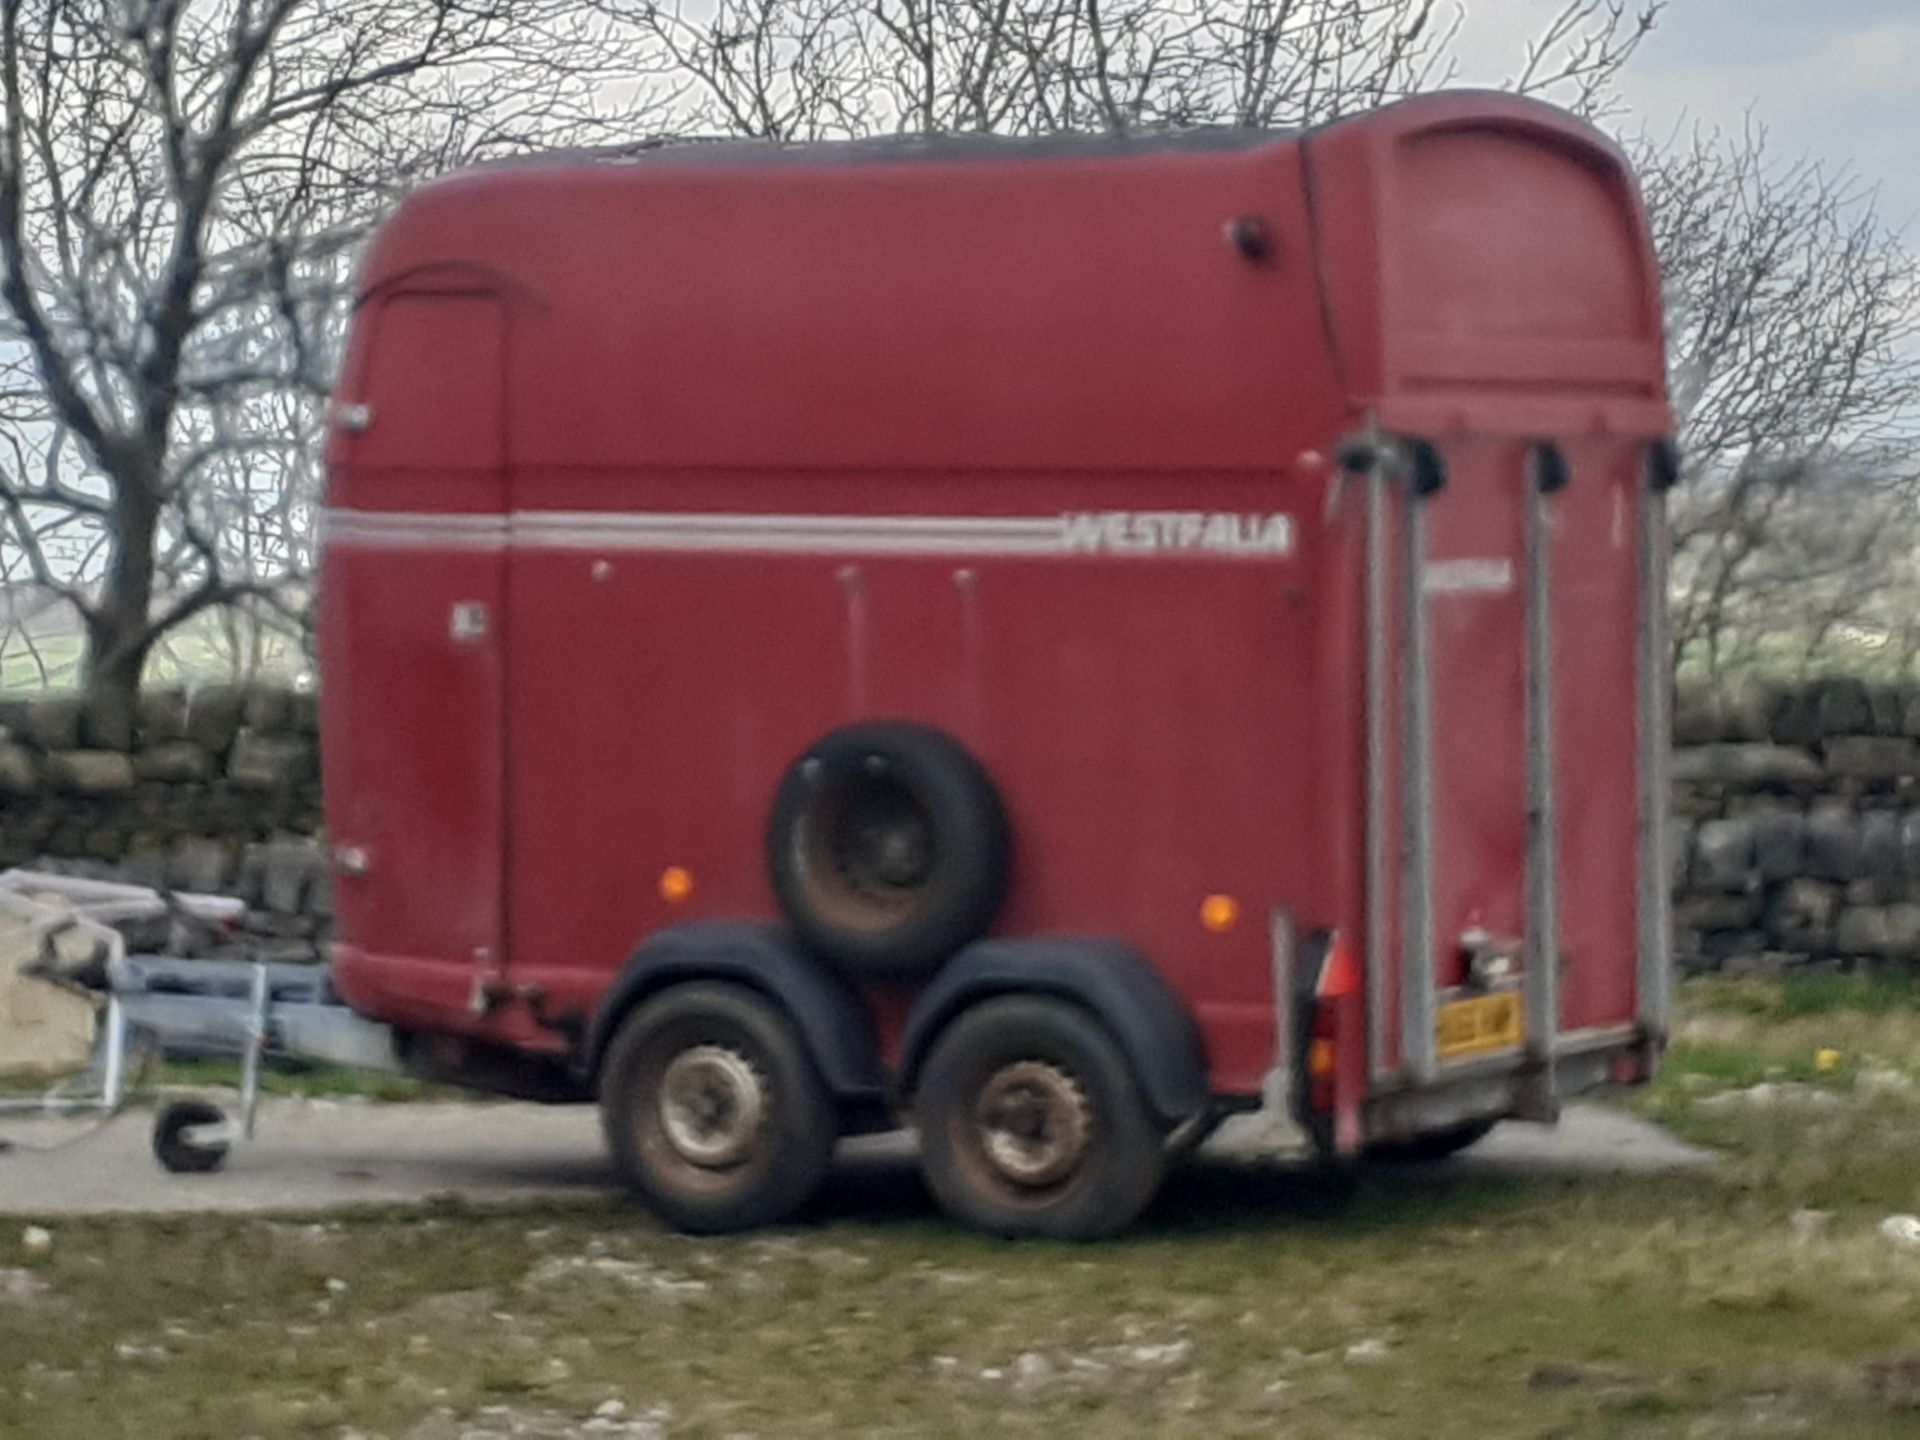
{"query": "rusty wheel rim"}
(713, 1105)
(1033, 1124)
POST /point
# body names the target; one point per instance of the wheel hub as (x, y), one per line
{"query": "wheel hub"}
(713, 1103)
(885, 843)
(1034, 1123)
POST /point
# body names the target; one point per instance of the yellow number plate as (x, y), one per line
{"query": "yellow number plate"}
(1484, 1023)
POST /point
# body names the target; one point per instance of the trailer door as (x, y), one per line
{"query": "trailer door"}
(411, 641)
(1519, 808)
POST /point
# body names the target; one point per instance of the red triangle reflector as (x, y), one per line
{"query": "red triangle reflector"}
(1340, 976)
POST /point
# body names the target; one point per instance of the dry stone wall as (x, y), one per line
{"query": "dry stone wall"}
(1795, 829)
(215, 789)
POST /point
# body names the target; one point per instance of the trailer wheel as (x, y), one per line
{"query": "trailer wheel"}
(1031, 1124)
(713, 1110)
(888, 848)
(1436, 1145)
(175, 1151)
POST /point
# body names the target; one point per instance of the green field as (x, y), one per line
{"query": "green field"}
(1757, 1297)
(45, 658)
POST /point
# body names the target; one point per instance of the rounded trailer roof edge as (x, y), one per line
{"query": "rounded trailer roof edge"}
(700, 151)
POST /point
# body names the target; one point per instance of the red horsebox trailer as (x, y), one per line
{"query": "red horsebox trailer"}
(1051, 642)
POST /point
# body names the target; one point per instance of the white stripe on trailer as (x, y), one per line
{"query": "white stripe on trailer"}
(1223, 535)
(398, 531)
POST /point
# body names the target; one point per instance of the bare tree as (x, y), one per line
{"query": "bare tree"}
(183, 184)
(1793, 314)
(812, 69)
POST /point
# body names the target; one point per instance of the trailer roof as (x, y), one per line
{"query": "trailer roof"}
(721, 151)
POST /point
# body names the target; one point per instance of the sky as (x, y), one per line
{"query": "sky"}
(1834, 79)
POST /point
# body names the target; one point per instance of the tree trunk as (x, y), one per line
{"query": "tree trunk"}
(118, 638)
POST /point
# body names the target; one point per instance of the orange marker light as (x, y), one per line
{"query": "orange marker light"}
(1219, 913)
(676, 884)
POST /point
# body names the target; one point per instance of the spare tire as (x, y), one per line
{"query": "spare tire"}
(888, 848)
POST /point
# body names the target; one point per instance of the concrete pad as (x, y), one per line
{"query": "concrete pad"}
(324, 1154)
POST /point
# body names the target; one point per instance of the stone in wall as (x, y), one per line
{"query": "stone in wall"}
(1744, 766)
(214, 714)
(263, 761)
(144, 861)
(1801, 915)
(200, 865)
(1883, 758)
(160, 717)
(1881, 854)
(320, 891)
(1883, 931)
(1699, 717)
(19, 771)
(267, 710)
(1680, 833)
(52, 724)
(1833, 844)
(1697, 802)
(1889, 709)
(1723, 856)
(90, 772)
(178, 762)
(1793, 717)
(1719, 912)
(288, 868)
(1843, 707)
(106, 727)
(1779, 845)
(1877, 890)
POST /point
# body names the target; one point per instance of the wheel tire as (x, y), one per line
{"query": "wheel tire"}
(971, 1115)
(888, 849)
(171, 1147)
(713, 1110)
(1437, 1145)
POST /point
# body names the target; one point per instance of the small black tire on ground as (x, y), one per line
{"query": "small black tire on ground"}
(173, 1148)
(888, 848)
(1031, 1123)
(1435, 1145)
(714, 1112)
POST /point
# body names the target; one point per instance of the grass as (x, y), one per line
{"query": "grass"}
(1254, 1301)
(1797, 996)
(280, 1078)
(311, 1081)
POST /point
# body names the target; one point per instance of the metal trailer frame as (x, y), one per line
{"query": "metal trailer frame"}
(1558, 1061)
(255, 1027)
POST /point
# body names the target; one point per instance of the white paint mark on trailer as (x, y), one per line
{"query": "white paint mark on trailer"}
(1473, 575)
(853, 590)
